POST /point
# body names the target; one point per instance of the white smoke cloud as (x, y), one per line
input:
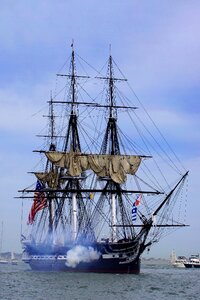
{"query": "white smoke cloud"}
(81, 254)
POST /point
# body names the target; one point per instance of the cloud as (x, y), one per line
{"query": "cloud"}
(19, 113)
(177, 125)
(165, 55)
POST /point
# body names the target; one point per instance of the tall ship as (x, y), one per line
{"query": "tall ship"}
(100, 197)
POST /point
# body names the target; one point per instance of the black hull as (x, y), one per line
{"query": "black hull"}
(190, 265)
(99, 266)
(122, 257)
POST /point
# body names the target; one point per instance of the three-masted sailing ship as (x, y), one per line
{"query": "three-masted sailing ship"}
(98, 202)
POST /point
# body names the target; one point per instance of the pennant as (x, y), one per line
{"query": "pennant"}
(138, 200)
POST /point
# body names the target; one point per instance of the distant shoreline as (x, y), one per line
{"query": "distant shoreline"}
(144, 260)
(155, 261)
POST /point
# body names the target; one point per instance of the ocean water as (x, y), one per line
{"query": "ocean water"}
(154, 282)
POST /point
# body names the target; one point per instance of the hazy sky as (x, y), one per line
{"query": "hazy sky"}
(156, 44)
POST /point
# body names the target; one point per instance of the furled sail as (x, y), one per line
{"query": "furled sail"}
(114, 166)
(51, 178)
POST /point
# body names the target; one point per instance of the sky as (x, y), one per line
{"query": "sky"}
(156, 44)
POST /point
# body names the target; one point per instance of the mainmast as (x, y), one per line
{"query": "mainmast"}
(114, 147)
(72, 144)
(111, 86)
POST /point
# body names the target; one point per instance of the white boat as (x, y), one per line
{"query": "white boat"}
(14, 261)
(178, 262)
(193, 262)
(2, 259)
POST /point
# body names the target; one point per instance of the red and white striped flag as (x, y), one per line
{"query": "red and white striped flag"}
(39, 203)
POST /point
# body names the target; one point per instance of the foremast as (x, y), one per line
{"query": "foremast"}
(110, 146)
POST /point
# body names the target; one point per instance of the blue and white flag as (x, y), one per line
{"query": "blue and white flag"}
(134, 212)
(134, 208)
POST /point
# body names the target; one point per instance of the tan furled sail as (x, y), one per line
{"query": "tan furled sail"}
(114, 166)
(51, 178)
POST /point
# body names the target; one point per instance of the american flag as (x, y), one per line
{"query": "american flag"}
(39, 202)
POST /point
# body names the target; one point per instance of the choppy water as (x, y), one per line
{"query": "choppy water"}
(154, 282)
